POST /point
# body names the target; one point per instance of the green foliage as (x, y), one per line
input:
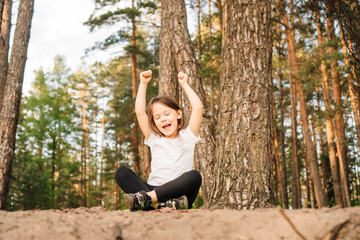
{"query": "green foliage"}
(44, 169)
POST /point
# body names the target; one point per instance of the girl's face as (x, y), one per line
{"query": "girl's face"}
(166, 119)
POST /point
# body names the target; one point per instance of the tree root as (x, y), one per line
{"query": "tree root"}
(333, 233)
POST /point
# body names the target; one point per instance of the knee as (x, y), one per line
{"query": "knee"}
(121, 174)
(196, 176)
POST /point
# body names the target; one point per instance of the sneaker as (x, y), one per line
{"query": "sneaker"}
(137, 201)
(176, 203)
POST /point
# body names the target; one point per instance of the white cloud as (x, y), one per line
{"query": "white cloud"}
(57, 29)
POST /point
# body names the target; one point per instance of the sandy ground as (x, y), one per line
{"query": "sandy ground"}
(98, 223)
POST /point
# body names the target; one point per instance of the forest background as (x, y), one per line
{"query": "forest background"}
(77, 127)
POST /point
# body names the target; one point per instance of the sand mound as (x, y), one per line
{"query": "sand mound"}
(98, 223)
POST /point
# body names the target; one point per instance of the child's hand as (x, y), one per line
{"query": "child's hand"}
(145, 77)
(183, 78)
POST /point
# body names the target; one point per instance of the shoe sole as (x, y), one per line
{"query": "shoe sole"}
(129, 200)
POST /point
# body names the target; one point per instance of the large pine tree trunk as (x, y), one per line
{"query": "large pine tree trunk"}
(244, 139)
(168, 84)
(9, 113)
(314, 166)
(4, 46)
(174, 33)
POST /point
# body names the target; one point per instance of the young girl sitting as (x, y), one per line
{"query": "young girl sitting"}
(172, 182)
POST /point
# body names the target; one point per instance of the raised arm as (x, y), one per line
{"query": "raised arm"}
(195, 102)
(140, 103)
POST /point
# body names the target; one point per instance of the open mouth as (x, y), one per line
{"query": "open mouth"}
(166, 126)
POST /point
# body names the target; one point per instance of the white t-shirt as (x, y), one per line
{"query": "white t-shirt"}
(171, 157)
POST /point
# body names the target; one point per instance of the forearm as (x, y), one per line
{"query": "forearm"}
(140, 102)
(194, 99)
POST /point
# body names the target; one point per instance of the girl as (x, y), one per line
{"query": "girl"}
(172, 182)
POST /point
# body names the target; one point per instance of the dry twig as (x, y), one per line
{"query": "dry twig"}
(291, 224)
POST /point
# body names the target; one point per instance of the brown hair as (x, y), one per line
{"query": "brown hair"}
(169, 102)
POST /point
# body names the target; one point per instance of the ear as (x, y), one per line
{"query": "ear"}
(179, 112)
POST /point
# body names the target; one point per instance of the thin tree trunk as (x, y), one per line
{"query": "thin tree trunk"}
(2, 3)
(219, 6)
(328, 117)
(277, 162)
(281, 139)
(351, 77)
(53, 160)
(307, 183)
(314, 167)
(339, 126)
(102, 150)
(135, 140)
(4, 46)
(9, 113)
(324, 159)
(198, 29)
(118, 164)
(295, 172)
(84, 162)
(212, 87)
(174, 33)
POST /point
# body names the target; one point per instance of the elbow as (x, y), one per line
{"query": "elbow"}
(199, 108)
(138, 111)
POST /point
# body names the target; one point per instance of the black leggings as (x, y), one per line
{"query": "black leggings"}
(187, 184)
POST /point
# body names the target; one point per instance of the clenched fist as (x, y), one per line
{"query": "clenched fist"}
(183, 78)
(145, 77)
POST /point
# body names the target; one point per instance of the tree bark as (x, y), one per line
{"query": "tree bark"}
(281, 137)
(9, 113)
(278, 188)
(135, 137)
(282, 158)
(2, 3)
(314, 166)
(351, 77)
(4, 46)
(168, 84)
(212, 87)
(84, 156)
(307, 203)
(102, 150)
(295, 173)
(244, 140)
(339, 125)
(328, 115)
(219, 6)
(175, 34)
(199, 28)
